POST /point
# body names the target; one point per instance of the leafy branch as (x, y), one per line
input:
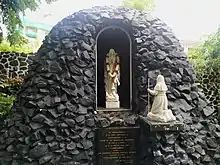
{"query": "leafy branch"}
(10, 10)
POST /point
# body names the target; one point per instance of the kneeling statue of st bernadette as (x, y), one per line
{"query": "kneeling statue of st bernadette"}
(159, 111)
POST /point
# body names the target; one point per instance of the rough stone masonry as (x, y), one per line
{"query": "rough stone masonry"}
(52, 120)
(14, 64)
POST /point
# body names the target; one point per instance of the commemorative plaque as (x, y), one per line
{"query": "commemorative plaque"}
(117, 146)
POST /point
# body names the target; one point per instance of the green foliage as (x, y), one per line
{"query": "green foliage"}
(14, 37)
(6, 103)
(147, 5)
(50, 1)
(206, 62)
(5, 46)
(207, 54)
(10, 10)
(212, 45)
(8, 90)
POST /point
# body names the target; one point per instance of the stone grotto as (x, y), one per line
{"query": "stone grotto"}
(55, 115)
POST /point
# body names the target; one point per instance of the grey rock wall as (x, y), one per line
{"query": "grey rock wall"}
(53, 120)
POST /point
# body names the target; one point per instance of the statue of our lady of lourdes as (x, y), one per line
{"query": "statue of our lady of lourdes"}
(159, 110)
(112, 77)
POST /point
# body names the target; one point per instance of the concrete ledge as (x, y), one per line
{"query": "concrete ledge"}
(158, 126)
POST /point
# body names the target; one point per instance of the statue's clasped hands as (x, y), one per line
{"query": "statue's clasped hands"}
(111, 75)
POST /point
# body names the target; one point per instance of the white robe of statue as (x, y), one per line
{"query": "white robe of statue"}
(112, 76)
(159, 110)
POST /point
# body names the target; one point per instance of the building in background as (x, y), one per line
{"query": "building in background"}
(189, 44)
(34, 30)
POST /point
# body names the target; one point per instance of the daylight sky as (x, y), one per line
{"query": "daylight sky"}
(189, 19)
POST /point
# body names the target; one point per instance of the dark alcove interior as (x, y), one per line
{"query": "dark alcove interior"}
(118, 40)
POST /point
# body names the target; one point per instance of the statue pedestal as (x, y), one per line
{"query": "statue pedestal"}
(112, 104)
(154, 126)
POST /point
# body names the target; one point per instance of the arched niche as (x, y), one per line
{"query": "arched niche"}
(117, 38)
